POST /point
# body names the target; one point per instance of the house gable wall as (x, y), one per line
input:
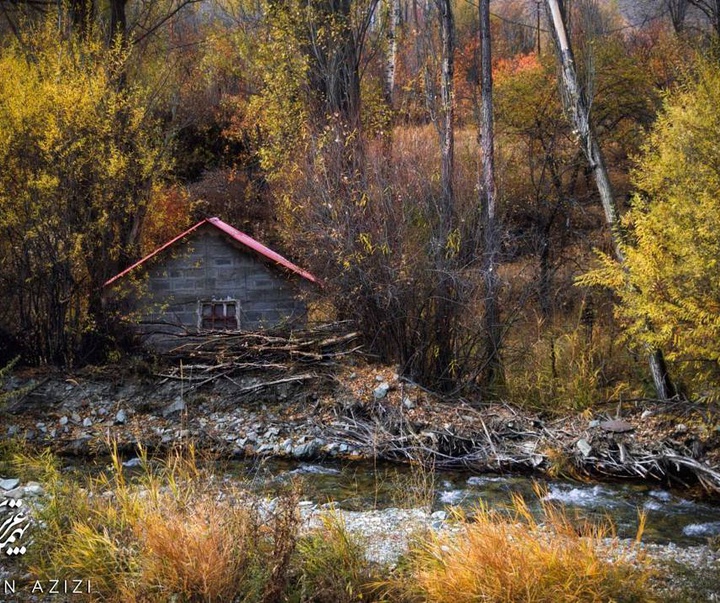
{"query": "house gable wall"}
(209, 266)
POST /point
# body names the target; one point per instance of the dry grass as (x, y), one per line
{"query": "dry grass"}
(334, 568)
(167, 535)
(511, 559)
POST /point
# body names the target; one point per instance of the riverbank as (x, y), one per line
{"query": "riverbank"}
(358, 411)
(383, 538)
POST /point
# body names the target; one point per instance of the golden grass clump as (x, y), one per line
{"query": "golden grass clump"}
(499, 558)
(166, 535)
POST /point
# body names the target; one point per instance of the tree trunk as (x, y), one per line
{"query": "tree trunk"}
(447, 144)
(577, 105)
(488, 202)
(118, 21)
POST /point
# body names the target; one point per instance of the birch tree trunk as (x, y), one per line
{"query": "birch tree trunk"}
(447, 143)
(488, 202)
(576, 104)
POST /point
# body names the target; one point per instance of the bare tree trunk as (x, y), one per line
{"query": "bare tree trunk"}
(447, 144)
(488, 203)
(577, 105)
(391, 58)
(445, 296)
(678, 11)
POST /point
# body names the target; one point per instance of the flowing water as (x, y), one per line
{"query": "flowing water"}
(364, 486)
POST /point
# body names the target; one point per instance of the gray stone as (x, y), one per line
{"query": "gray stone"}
(15, 493)
(681, 428)
(13, 430)
(63, 420)
(584, 447)
(408, 403)
(33, 489)
(134, 462)
(646, 413)
(121, 417)
(594, 423)
(76, 418)
(177, 406)
(379, 378)
(308, 450)
(381, 391)
(87, 422)
(616, 426)
(252, 436)
(439, 515)
(9, 484)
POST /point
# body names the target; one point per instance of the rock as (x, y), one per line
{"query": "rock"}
(133, 462)
(34, 489)
(9, 484)
(167, 438)
(80, 445)
(646, 413)
(439, 515)
(408, 403)
(177, 406)
(63, 420)
(76, 418)
(13, 430)
(87, 422)
(681, 428)
(15, 493)
(381, 391)
(251, 436)
(584, 447)
(308, 450)
(121, 417)
(379, 378)
(616, 426)
(594, 423)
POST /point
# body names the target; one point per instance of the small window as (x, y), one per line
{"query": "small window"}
(218, 315)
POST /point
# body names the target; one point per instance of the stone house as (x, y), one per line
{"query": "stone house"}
(211, 277)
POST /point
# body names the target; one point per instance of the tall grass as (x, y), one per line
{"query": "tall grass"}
(165, 535)
(515, 558)
(171, 534)
(567, 368)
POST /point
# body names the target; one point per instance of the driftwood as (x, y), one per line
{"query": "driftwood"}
(529, 447)
(268, 358)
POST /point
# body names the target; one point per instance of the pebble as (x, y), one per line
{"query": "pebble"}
(381, 391)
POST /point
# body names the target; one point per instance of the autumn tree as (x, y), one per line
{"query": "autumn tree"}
(81, 158)
(667, 277)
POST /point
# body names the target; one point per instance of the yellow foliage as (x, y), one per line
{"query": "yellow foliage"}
(80, 153)
(669, 294)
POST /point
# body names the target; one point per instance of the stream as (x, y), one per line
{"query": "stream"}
(362, 486)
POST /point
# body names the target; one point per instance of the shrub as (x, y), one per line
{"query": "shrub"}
(332, 565)
(514, 558)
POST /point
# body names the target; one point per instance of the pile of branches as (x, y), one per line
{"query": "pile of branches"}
(277, 356)
(521, 443)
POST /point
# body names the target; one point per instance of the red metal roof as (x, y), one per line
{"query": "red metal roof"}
(236, 235)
